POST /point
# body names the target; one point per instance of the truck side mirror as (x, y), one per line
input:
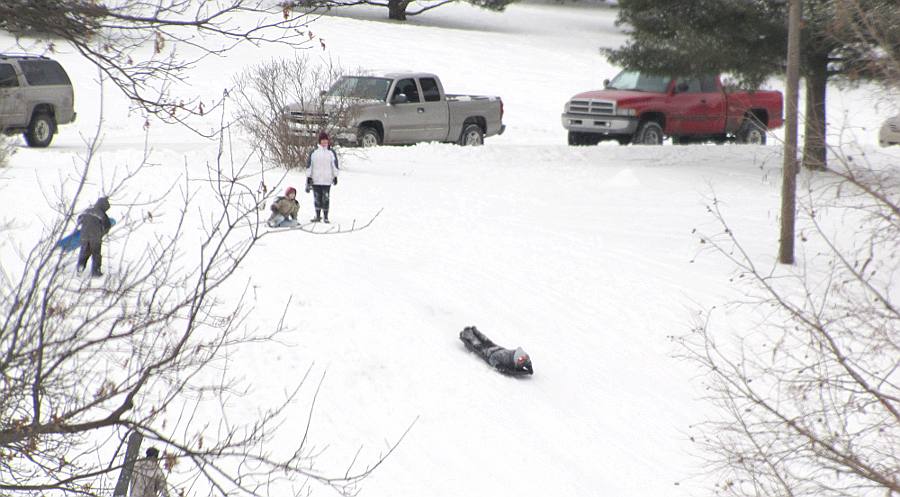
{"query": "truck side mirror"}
(399, 99)
(606, 83)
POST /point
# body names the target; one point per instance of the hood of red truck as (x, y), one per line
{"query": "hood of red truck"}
(619, 96)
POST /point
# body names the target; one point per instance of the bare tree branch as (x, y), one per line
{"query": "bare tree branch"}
(810, 396)
(149, 349)
(145, 47)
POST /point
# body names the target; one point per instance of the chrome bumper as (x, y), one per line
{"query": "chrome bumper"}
(608, 125)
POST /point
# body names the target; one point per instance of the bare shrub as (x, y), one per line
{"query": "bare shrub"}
(148, 349)
(282, 107)
(809, 394)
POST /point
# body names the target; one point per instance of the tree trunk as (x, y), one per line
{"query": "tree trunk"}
(397, 9)
(814, 146)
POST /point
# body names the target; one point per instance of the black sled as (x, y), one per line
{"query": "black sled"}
(511, 362)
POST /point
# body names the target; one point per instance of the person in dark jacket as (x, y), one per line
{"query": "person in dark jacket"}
(502, 359)
(321, 174)
(94, 224)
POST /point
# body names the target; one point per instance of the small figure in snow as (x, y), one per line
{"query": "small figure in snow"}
(149, 480)
(505, 360)
(285, 210)
(321, 173)
(94, 224)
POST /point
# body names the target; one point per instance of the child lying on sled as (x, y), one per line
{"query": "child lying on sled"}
(515, 362)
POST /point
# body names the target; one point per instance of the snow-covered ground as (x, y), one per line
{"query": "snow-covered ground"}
(583, 256)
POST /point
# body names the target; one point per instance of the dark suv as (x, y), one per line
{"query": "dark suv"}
(35, 97)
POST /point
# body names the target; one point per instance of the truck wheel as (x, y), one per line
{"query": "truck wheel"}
(40, 131)
(471, 135)
(368, 137)
(649, 133)
(752, 132)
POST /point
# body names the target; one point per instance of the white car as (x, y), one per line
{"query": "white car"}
(890, 132)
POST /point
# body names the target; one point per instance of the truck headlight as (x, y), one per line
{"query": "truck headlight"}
(626, 112)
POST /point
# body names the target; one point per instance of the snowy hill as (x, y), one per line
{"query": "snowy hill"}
(583, 256)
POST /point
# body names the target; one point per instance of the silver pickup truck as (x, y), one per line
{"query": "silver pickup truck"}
(36, 96)
(402, 108)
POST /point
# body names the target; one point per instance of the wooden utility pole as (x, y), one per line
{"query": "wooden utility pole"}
(131, 455)
(789, 169)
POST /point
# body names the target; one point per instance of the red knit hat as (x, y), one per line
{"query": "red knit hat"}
(290, 190)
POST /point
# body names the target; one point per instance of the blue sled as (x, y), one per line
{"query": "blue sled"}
(73, 240)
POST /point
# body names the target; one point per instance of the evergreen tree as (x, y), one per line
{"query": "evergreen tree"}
(845, 39)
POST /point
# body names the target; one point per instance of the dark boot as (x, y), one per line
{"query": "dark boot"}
(326, 216)
(318, 217)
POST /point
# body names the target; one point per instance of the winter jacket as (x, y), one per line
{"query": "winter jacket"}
(148, 480)
(322, 166)
(94, 222)
(286, 207)
(504, 360)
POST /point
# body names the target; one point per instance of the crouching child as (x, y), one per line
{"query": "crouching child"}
(285, 210)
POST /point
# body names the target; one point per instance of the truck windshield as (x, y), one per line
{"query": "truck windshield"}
(361, 87)
(637, 81)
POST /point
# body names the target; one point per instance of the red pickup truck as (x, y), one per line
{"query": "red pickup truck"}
(642, 108)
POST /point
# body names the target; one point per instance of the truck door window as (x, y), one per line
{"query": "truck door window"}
(430, 90)
(687, 85)
(708, 84)
(407, 87)
(8, 77)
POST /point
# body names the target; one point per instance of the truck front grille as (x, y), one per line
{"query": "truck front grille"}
(592, 107)
(308, 118)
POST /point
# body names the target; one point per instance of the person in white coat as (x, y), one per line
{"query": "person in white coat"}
(149, 480)
(321, 174)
